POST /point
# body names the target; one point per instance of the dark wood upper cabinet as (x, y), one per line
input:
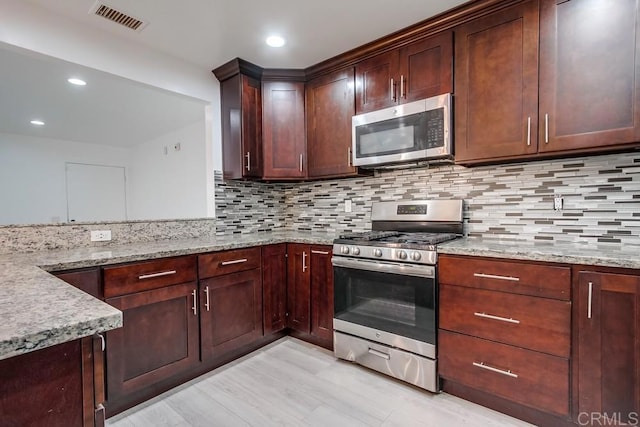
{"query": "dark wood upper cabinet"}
(607, 317)
(577, 92)
(418, 70)
(330, 105)
(589, 74)
(496, 85)
(241, 112)
(283, 138)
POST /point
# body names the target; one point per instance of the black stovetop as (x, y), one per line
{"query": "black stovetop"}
(395, 238)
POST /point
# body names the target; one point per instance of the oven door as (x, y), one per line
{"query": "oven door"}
(391, 303)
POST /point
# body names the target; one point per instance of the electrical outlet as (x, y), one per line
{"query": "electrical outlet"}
(347, 205)
(558, 203)
(101, 236)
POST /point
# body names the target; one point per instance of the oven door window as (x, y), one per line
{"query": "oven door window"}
(399, 304)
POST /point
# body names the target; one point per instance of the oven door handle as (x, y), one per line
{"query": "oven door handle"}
(385, 267)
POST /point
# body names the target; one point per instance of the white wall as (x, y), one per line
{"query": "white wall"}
(32, 175)
(169, 185)
(30, 27)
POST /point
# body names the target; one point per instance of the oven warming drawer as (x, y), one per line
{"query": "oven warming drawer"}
(417, 370)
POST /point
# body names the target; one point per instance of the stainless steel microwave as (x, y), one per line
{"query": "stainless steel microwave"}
(412, 132)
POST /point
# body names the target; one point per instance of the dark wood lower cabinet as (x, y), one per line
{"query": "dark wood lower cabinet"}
(310, 293)
(274, 287)
(159, 338)
(55, 386)
(607, 347)
(322, 294)
(231, 312)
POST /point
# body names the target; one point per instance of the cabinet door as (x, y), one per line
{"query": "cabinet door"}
(231, 312)
(496, 85)
(608, 356)
(159, 338)
(589, 74)
(375, 82)
(241, 127)
(298, 292)
(283, 130)
(322, 294)
(330, 107)
(274, 287)
(426, 68)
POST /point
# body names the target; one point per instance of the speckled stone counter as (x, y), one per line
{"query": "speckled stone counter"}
(606, 255)
(37, 310)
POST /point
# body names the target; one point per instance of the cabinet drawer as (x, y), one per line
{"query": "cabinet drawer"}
(539, 324)
(523, 376)
(220, 263)
(507, 276)
(147, 275)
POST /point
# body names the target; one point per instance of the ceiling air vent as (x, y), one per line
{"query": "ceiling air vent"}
(118, 17)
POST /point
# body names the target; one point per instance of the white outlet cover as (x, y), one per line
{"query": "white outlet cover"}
(347, 205)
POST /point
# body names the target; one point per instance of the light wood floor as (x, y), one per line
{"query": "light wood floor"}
(292, 383)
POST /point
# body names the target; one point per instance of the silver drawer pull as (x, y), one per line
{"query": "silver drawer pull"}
(502, 319)
(379, 354)
(496, 370)
(590, 302)
(194, 307)
(235, 261)
(493, 276)
(320, 252)
(152, 275)
(206, 303)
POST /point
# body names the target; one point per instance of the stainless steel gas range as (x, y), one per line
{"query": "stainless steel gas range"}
(385, 289)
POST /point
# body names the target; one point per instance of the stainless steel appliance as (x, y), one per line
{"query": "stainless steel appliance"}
(412, 132)
(385, 289)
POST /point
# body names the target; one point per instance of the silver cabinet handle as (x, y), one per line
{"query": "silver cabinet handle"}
(493, 276)
(546, 128)
(496, 370)
(392, 91)
(403, 94)
(589, 313)
(492, 317)
(248, 156)
(301, 163)
(206, 301)
(349, 156)
(195, 302)
(304, 262)
(152, 275)
(379, 354)
(320, 252)
(235, 261)
(528, 130)
(103, 344)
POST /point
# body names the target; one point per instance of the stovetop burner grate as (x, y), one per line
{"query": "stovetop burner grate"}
(367, 236)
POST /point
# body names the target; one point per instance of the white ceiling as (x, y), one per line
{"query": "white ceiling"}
(209, 33)
(110, 110)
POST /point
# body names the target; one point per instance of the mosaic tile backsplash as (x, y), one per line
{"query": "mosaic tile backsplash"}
(601, 198)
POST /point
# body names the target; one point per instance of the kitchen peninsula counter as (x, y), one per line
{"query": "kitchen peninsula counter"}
(39, 310)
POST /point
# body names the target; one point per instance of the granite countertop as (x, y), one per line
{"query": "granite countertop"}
(39, 310)
(605, 255)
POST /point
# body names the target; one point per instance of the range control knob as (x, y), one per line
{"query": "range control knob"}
(402, 254)
(345, 250)
(415, 256)
(355, 250)
(377, 252)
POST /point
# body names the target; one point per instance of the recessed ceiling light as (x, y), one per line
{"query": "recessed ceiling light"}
(275, 41)
(77, 82)
(37, 122)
